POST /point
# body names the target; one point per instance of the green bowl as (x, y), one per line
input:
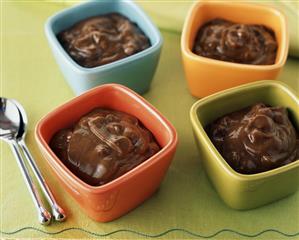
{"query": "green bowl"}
(241, 191)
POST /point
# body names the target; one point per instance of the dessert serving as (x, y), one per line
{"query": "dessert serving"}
(103, 145)
(103, 39)
(234, 42)
(94, 143)
(255, 139)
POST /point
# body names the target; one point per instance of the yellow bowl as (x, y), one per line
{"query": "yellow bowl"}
(241, 191)
(206, 76)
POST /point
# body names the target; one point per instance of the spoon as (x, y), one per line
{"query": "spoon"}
(57, 211)
(9, 128)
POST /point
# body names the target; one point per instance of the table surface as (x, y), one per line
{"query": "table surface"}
(186, 205)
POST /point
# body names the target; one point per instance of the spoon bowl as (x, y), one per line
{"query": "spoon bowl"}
(9, 120)
(23, 120)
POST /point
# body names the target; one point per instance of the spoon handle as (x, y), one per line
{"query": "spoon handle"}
(44, 216)
(57, 211)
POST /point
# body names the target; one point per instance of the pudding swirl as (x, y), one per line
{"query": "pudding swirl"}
(239, 43)
(103, 39)
(256, 139)
(104, 145)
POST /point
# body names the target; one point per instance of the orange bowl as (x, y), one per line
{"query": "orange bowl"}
(110, 201)
(206, 76)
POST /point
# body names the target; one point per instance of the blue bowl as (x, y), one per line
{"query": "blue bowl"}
(135, 72)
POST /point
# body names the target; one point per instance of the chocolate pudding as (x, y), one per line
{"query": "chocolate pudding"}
(103, 39)
(103, 145)
(255, 139)
(238, 43)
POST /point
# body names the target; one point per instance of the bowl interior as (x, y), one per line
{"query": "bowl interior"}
(239, 13)
(273, 94)
(69, 17)
(117, 98)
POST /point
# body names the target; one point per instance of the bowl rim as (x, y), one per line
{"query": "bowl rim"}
(169, 147)
(106, 67)
(202, 135)
(200, 59)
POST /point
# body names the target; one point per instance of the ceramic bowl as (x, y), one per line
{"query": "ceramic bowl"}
(112, 200)
(241, 191)
(206, 76)
(135, 72)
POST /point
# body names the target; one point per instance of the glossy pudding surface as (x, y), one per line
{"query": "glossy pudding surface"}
(255, 139)
(103, 145)
(103, 39)
(238, 43)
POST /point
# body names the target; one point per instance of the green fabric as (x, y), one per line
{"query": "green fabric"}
(186, 205)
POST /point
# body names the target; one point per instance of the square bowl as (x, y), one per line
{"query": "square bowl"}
(205, 75)
(135, 71)
(110, 201)
(241, 191)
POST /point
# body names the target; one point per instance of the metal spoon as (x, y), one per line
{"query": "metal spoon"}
(57, 211)
(9, 128)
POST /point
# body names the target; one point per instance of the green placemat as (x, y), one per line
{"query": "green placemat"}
(186, 205)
